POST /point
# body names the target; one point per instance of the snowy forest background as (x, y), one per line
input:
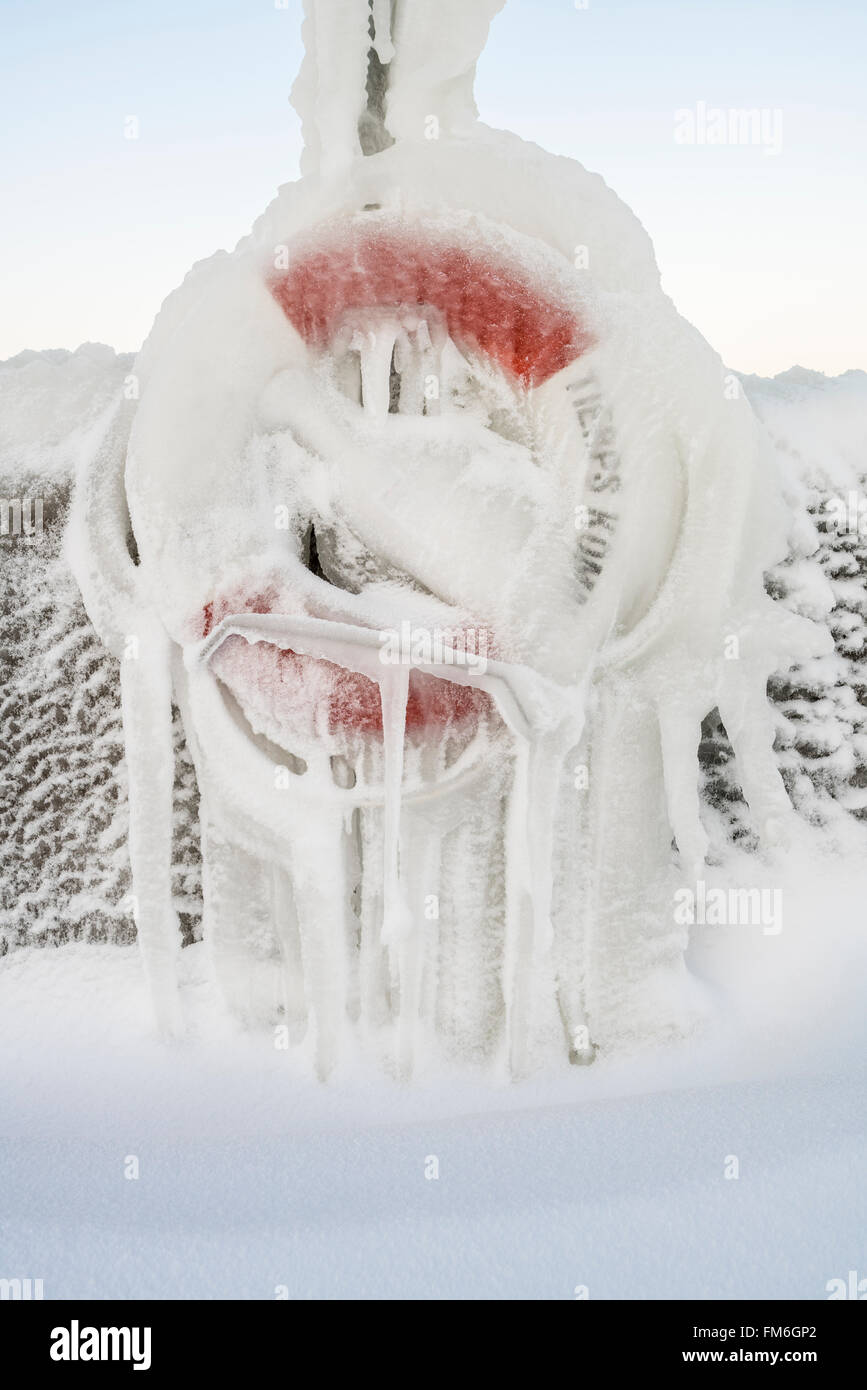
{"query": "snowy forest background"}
(64, 872)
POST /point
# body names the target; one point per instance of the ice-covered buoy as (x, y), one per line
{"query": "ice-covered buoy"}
(443, 532)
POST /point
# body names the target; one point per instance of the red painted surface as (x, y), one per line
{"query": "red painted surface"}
(487, 306)
(282, 680)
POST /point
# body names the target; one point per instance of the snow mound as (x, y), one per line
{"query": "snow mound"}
(55, 406)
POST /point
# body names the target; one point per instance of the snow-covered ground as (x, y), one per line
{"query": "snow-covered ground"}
(254, 1179)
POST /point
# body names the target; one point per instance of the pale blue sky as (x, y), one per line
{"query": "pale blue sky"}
(764, 253)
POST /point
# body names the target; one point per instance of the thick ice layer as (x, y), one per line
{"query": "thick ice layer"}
(294, 695)
(488, 307)
(405, 400)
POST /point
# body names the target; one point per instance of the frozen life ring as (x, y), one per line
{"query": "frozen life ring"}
(443, 519)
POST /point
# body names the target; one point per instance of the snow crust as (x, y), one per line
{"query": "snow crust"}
(252, 1176)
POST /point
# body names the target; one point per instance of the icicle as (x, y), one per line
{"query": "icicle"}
(465, 948)
(375, 348)
(632, 938)
(419, 868)
(382, 30)
(394, 692)
(285, 920)
(436, 371)
(321, 896)
(95, 541)
(372, 960)
(528, 968)
(517, 951)
(570, 904)
(428, 895)
(543, 778)
(407, 364)
(147, 727)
